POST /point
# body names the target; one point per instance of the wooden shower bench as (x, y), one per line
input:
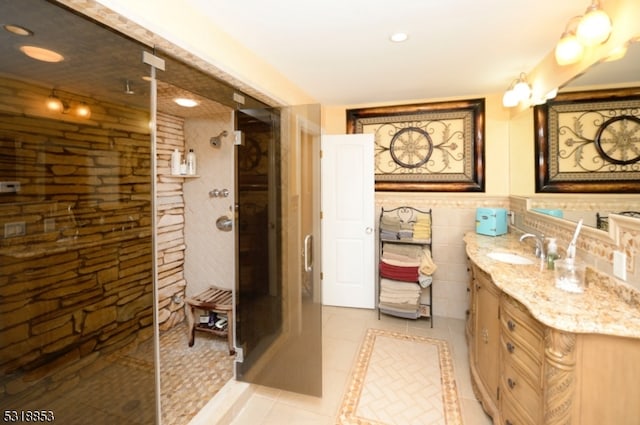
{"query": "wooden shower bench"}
(213, 299)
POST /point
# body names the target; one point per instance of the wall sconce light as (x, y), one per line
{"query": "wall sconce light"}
(83, 110)
(595, 26)
(518, 91)
(55, 104)
(583, 31)
(510, 98)
(569, 49)
(617, 53)
(522, 88)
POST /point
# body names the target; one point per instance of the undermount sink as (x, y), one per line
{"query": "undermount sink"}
(508, 257)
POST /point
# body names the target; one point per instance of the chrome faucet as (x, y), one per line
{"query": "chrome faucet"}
(539, 243)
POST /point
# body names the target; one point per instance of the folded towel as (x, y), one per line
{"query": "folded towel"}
(407, 274)
(395, 287)
(424, 281)
(422, 228)
(427, 266)
(413, 251)
(401, 262)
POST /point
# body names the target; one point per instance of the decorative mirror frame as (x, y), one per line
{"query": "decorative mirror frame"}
(417, 118)
(609, 108)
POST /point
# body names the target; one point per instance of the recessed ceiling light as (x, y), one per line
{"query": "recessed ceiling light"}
(44, 55)
(399, 37)
(18, 30)
(187, 103)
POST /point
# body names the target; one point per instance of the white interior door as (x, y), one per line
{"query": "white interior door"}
(348, 240)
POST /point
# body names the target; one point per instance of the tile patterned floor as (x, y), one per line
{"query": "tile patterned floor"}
(401, 379)
(344, 330)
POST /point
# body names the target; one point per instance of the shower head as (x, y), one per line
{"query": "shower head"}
(216, 141)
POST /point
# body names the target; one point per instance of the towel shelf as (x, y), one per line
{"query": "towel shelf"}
(399, 286)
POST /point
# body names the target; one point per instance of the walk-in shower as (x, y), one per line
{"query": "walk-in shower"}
(76, 285)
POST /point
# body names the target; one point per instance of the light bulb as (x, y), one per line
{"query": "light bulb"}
(594, 27)
(83, 111)
(568, 50)
(510, 99)
(617, 53)
(522, 89)
(54, 103)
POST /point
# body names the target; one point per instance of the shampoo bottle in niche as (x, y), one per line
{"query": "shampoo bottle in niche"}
(191, 162)
(176, 159)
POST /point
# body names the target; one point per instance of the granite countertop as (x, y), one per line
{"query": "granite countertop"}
(606, 306)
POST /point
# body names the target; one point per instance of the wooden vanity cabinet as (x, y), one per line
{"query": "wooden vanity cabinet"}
(526, 373)
(486, 338)
(521, 364)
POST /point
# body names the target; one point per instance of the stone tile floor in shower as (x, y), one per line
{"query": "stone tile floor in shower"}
(191, 376)
(123, 391)
(343, 332)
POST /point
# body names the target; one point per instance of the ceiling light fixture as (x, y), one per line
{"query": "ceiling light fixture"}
(595, 26)
(187, 103)
(41, 54)
(399, 37)
(18, 30)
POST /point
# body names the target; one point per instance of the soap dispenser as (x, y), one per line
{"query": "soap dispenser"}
(552, 253)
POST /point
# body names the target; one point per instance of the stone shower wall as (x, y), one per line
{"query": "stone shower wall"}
(76, 288)
(170, 234)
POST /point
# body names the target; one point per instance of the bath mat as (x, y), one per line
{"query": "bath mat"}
(401, 379)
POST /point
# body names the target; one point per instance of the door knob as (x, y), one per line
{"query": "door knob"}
(369, 230)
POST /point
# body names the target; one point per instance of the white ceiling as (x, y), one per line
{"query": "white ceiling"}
(338, 51)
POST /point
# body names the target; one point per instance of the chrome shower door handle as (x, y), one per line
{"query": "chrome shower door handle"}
(308, 259)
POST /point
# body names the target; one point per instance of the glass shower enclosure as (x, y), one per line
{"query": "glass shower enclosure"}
(76, 247)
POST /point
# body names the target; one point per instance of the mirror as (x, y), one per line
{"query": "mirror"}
(592, 208)
(624, 72)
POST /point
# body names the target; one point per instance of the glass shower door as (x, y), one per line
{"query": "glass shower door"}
(278, 308)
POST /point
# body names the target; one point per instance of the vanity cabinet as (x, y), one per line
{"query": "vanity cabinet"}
(521, 364)
(485, 336)
(527, 373)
